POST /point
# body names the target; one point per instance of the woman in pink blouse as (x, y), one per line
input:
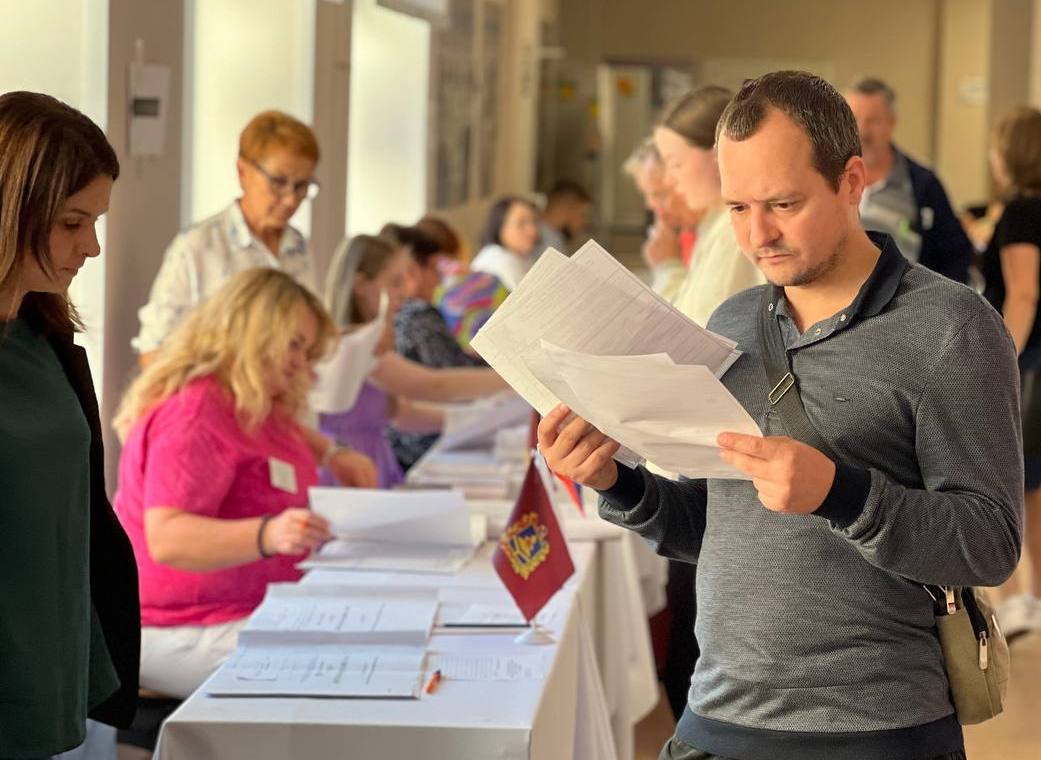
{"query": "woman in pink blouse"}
(215, 469)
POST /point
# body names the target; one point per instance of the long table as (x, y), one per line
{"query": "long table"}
(569, 715)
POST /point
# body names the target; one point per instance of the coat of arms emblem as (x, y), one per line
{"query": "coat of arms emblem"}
(526, 544)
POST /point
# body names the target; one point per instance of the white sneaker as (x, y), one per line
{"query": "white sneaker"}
(1019, 614)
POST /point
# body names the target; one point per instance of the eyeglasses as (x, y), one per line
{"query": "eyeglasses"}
(305, 188)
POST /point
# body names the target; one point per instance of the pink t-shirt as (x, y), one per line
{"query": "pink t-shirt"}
(190, 453)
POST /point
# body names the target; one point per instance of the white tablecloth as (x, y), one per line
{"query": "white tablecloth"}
(565, 716)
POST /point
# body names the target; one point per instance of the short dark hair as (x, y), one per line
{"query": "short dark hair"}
(815, 106)
(567, 190)
(422, 246)
(497, 217)
(875, 86)
(447, 239)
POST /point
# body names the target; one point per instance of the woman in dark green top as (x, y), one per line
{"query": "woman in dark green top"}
(69, 623)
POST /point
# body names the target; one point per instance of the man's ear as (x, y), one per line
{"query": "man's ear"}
(854, 180)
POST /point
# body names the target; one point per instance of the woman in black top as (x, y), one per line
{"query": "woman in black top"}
(69, 622)
(1012, 268)
(420, 332)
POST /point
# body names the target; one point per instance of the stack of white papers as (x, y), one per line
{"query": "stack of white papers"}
(470, 425)
(533, 666)
(319, 671)
(330, 641)
(292, 613)
(588, 329)
(428, 531)
(342, 374)
(478, 474)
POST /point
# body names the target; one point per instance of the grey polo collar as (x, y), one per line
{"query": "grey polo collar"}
(874, 295)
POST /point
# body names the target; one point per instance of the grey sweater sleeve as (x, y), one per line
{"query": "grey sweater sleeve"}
(668, 514)
(965, 527)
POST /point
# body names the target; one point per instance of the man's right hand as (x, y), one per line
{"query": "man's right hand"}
(577, 450)
(662, 245)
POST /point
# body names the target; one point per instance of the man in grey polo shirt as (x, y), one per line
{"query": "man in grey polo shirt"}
(818, 639)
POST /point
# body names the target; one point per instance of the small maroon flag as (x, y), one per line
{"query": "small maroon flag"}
(532, 558)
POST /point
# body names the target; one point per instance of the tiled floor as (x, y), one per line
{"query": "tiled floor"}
(1014, 735)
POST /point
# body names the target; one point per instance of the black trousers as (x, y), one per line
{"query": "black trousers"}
(674, 749)
(682, 651)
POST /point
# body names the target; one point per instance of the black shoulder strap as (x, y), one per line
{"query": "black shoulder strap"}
(784, 388)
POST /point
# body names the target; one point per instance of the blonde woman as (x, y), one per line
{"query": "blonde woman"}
(68, 594)
(215, 469)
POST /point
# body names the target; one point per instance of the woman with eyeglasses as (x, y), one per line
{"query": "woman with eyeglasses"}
(276, 163)
(277, 158)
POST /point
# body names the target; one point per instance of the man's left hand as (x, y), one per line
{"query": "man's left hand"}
(789, 475)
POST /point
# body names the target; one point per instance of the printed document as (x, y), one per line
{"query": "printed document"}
(595, 308)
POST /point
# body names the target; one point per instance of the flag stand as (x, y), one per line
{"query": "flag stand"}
(536, 635)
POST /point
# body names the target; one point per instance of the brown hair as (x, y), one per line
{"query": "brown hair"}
(364, 254)
(694, 115)
(447, 239)
(1017, 139)
(275, 129)
(48, 152)
(816, 107)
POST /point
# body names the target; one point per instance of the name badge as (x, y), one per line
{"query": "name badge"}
(283, 476)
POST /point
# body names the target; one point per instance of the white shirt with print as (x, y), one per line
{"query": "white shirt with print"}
(202, 258)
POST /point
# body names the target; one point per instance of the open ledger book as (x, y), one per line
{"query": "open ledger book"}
(329, 641)
(587, 332)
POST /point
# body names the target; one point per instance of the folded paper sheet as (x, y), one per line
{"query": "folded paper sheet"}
(670, 414)
(342, 374)
(591, 305)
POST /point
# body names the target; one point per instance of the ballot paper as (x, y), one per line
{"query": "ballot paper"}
(341, 375)
(592, 305)
(424, 517)
(380, 556)
(319, 671)
(670, 414)
(470, 424)
(491, 667)
(293, 614)
(464, 615)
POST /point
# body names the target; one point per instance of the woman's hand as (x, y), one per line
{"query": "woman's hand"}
(294, 531)
(353, 469)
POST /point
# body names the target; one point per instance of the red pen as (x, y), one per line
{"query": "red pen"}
(433, 683)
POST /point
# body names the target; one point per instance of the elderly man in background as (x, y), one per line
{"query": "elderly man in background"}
(903, 198)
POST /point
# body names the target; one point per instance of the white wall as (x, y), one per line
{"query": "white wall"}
(387, 142)
(244, 56)
(60, 47)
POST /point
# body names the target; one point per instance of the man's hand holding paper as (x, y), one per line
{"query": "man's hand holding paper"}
(789, 475)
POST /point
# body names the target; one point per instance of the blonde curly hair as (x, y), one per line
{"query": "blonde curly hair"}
(235, 335)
